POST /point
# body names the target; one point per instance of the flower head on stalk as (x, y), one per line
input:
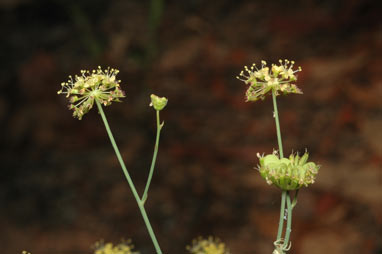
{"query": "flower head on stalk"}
(288, 173)
(278, 78)
(83, 90)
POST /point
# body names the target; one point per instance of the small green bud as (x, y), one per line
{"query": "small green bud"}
(288, 173)
(303, 159)
(158, 102)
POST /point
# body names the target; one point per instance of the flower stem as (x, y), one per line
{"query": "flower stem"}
(159, 128)
(279, 141)
(281, 221)
(129, 180)
(289, 220)
(276, 116)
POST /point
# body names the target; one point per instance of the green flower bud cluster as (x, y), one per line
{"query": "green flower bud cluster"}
(82, 91)
(158, 102)
(288, 174)
(207, 246)
(125, 247)
(278, 78)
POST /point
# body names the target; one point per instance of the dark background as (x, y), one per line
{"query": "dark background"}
(61, 188)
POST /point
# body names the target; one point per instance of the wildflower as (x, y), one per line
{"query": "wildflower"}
(207, 246)
(158, 102)
(278, 79)
(288, 174)
(125, 247)
(82, 91)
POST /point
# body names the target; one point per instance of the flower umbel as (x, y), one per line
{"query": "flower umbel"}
(207, 246)
(278, 78)
(125, 247)
(288, 174)
(83, 90)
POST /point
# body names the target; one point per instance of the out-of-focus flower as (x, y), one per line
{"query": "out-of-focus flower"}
(278, 78)
(125, 247)
(288, 174)
(207, 246)
(84, 90)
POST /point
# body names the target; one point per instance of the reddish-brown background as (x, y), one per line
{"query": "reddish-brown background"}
(61, 186)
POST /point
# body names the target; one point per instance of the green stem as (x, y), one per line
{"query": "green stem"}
(159, 128)
(279, 141)
(281, 221)
(289, 220)
(129, 180)
(276, 116)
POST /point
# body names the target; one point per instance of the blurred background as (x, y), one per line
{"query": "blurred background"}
(61, 188)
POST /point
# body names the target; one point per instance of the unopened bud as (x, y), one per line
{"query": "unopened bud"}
(158, 102)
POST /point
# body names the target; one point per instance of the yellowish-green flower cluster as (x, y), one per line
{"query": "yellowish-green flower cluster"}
(125, 247)
(207, 246)
(288, 174)
(25, 252)
(278, 78)
(82, 91)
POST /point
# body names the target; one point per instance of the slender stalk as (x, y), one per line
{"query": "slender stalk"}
(279, 141)
(281, 221)
(129, 180)
(159, 128)
(289, 220)
(276, 116)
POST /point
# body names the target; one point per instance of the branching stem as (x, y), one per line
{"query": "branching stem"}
(129, 180)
